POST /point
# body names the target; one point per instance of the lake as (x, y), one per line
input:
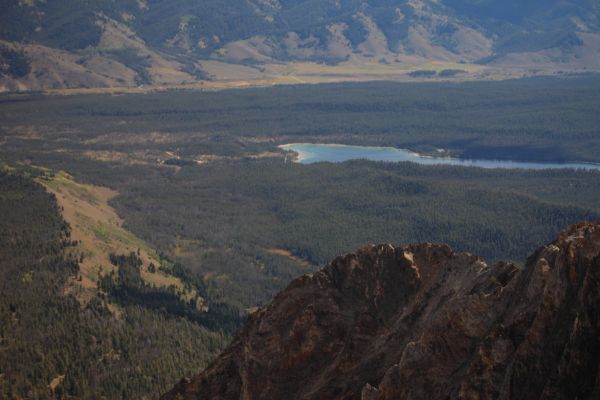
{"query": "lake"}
(309, 153)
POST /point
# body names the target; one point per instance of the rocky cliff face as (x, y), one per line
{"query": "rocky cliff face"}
(423, 322)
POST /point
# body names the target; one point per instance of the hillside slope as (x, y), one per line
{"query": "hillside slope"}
(76, 319)
(423, 322)
(128, 43)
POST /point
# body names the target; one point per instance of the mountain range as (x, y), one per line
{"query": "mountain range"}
(127, 43)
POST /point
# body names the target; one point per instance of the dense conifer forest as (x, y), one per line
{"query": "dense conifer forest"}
(537, 119)
(51, 347)
(198, 176)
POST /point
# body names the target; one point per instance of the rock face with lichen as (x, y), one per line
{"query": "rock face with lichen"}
(423, 322)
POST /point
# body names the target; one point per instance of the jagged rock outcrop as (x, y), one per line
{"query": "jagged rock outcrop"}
(423, 322)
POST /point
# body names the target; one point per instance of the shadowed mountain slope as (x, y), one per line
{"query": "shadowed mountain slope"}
(423, 322)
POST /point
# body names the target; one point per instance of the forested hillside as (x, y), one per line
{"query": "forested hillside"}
(51, 345)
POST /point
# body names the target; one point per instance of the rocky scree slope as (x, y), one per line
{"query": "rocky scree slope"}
(423, 322)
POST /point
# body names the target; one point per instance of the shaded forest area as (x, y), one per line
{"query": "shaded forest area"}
(52, 346)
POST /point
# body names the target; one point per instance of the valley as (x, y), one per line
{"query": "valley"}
(300, 199)
(185, 217)
(200, 178)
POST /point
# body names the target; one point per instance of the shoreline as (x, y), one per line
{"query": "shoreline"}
(300, 156)
(296, 156)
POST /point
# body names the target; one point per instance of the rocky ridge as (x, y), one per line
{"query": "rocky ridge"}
(423, 322)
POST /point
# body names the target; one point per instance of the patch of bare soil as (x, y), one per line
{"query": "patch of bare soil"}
(288, 254)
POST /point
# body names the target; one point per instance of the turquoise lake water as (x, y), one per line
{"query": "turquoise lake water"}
(309, 153)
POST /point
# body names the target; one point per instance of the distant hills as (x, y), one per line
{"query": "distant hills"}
(103, 43)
